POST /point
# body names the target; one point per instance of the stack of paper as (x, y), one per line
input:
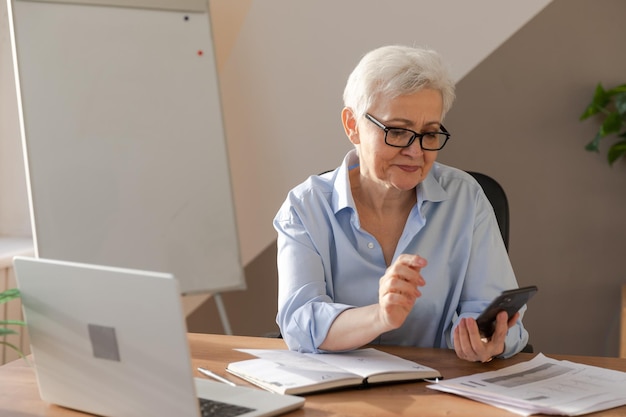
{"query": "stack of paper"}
(543, 386)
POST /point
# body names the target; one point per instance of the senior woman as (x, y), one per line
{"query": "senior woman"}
(392, 247)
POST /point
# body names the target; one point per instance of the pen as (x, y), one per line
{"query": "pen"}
(216, 377)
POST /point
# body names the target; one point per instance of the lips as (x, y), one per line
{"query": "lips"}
(409, 168)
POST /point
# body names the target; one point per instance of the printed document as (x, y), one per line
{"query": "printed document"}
(543, 386)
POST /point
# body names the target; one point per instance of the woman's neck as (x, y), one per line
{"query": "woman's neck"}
(377, 197)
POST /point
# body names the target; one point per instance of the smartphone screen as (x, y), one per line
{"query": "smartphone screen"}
(510, 301)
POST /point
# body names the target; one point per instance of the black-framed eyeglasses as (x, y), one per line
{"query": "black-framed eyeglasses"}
(399, 137)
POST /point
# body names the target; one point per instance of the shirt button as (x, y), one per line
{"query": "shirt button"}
(370, 245)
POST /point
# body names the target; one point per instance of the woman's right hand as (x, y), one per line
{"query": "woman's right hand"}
(397, 291)
(399, 288)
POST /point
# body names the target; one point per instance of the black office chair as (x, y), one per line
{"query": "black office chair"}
(497, 197)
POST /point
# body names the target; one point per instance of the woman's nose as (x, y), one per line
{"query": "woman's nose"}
(415, 149)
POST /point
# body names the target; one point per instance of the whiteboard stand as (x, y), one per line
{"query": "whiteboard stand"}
(222, 312)
(110, 140)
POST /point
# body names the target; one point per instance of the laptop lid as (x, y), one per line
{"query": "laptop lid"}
(112, 341)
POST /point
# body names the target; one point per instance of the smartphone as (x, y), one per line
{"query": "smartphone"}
(510, 301)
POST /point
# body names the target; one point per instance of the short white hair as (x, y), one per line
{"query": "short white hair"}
(396, 70)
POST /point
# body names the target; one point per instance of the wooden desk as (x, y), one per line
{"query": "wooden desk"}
(19, 396)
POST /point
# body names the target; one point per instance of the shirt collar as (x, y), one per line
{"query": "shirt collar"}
(427, 190)
(342, 194)
(430, 189)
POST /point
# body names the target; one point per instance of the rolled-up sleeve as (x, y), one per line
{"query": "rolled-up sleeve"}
(305, 309)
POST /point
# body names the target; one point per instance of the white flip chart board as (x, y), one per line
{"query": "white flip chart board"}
(124, 139)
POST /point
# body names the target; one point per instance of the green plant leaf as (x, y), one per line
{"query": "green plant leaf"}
(612, 124)
(611, 105)
(601, 97)
(594, 145)
(616, 151)
(616, 90)
(620, 103)
(5, 331)
(9, 295)
(15, 348)
(14, 322)
(600, 100)
(589, 111)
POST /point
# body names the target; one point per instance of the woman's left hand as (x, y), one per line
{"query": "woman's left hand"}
(469, 345)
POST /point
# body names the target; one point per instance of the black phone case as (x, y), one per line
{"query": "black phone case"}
(510, 301)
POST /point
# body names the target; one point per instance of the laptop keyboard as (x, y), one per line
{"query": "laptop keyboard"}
(212, 408)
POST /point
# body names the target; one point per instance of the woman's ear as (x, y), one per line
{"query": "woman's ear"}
(350, 125)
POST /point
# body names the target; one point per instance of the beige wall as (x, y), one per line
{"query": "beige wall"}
(282, 66)
(516, 118)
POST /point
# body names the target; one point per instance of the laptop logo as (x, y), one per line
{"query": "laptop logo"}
(104, 342)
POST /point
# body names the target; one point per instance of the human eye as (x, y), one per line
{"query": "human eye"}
(397, 133)
(399, 136)
(431, 139)
(431, 135)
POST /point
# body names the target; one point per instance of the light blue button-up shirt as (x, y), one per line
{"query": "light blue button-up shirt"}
(327, 263)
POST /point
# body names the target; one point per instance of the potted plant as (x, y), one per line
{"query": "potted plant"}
(611, 106)
(6, 296)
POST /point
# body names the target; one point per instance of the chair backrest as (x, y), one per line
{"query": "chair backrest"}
(497, 197)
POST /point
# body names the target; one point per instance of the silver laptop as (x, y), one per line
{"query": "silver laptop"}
(113, 342)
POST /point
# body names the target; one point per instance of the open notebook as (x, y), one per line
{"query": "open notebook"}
(112, 341)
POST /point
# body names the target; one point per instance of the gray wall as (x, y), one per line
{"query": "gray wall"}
(516, 118)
